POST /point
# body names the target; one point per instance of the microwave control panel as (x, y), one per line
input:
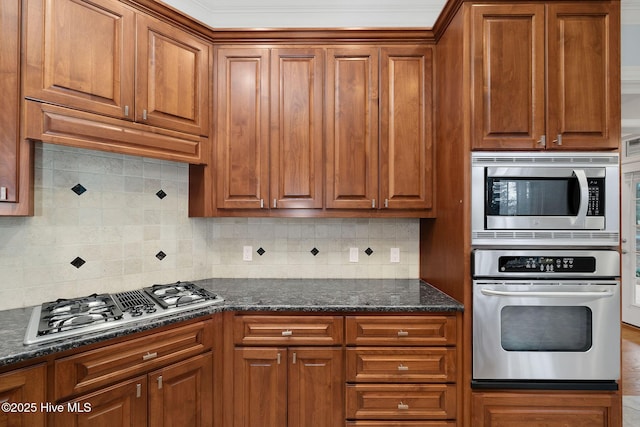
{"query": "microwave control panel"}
(547, 264)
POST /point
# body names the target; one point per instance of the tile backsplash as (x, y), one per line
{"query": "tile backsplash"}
(108, 222)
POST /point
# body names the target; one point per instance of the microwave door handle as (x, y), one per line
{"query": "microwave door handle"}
(560, 294)
(580, 219)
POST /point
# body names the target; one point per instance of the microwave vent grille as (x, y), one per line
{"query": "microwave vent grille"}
(564, 237)
(482, 159)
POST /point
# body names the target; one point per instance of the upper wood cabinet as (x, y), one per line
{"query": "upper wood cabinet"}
(106, 58)
(305, 128)
(352, 127)
(545, 76)
(16, 154)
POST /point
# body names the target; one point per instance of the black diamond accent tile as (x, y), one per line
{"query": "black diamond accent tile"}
(78, 262)
(368, 251)
(78, 189)
(261, 251)
(315, 251)
(161, 255)
(161, 194)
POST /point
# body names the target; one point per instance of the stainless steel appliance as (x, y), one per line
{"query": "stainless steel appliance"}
(546, 318)
(64, 318)
(550, 198)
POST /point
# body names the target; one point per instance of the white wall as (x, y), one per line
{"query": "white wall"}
(119, 225)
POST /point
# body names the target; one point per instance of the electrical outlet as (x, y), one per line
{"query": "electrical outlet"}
(353, 254)
(394, 255)
(247, 253)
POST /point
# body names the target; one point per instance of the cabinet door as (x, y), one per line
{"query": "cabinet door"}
(352, 128)
(583, 76)
(121, 405)
(296, 128)
(182, 394)
(260, 387)
(406, 157)
(80, 54)
(172, 77)
(242, 123)
(24, 386)
(316, 384)
(531, 409)
(508, 76)
(10, 99)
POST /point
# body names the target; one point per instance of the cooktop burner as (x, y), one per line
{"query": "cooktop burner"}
(64, 318)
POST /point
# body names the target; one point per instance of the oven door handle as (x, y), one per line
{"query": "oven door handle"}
(581, 218)
(560, 294)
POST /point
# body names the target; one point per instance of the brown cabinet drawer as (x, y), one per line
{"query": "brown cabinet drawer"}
(401, 424)
(401, 364)
(89, 370)
(288, 330)
(423, 330)
(401, 402)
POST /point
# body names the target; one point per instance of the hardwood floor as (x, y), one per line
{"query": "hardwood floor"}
(630, 360)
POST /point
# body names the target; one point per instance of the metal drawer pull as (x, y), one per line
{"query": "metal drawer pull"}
(401, 367)
(149, 356)
(287, 333)
(402, 333)
(403, 406)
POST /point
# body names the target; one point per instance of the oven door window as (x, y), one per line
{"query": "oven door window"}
(546, 328)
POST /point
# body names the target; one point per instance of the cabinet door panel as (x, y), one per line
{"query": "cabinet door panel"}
(10, 99)
(243, 128)
(352, 128)
(121, 405)
(172, 77)
(81, 55)
(23, 386)
(406, 165)
(260, 387)
(508, 76)
(583, 75)
(296, 136)
(316, 387)
(182, 394)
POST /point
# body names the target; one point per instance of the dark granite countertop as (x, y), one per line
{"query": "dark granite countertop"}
(263, 295)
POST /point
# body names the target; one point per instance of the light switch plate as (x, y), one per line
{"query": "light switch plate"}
(394, 255)
(247, 253)
(353, 254)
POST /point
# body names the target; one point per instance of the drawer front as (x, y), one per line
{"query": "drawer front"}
(401, 402)
(401, 364)
(288, 330)
(103, 366)
(401, 424)
(423, 330)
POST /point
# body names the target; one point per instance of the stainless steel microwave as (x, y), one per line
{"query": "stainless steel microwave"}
(546, 198)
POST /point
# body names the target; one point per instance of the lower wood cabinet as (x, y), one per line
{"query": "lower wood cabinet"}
(295, 387)
(546, 409)
(23, 387)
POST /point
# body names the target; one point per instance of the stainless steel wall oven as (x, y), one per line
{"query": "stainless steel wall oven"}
(546, 318)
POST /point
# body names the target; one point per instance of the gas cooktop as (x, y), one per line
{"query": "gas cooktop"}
(64, 318)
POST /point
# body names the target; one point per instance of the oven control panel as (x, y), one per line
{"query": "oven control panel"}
(547, 264)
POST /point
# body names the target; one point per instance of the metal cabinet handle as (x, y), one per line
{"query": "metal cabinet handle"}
(558, 141)
(386, 203)
(275, 203)
(287, 333)
(403, 406)
(542, 141)
(401, 367)
(295, 358)
(144, 114)
(149, 356)
(3, 193)
(126, 111)
(402, 333)
(261, 203)
(138, 390)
